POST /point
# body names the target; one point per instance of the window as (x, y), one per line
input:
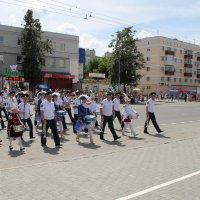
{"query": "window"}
(169, 68)
(148, 58)
(174, 79)
(162, 68)
(19, 59)
(163, 48)
(168, 79)
(179, 80)
(190, 80)
(148, 49)
(53, 62)
(62, 46)
(18, 42)
(180, 70)
(163, 58)
(61, 62)
(186, 80)
(195, 72)
(162, 79)
(148, 68)
(181, 51)
(148, 78)
(1, 39)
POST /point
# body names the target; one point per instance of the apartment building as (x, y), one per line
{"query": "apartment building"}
(61, 68)
(170, 65)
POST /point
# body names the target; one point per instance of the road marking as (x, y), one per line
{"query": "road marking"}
(159, 186)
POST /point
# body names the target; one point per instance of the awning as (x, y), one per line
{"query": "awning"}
(57, 75)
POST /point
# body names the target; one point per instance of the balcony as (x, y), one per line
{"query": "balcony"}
(198, 75)
(188, 56)
(188, 65)
(167, 72)
(198, 58)
(187, 74)
(169, 52)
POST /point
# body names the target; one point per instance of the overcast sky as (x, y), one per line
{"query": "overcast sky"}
(96, 21)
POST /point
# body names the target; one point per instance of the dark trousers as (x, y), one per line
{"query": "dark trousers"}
(64, 123)
(153, 119)
(5, 112)
(35, 120)
(109, 120)
(52, 124)
(74, 122)
(30, 125)
(70, 114)
(119, 117)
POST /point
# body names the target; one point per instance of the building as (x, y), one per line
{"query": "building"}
(89, 54)
(61, 68)
(170, 65)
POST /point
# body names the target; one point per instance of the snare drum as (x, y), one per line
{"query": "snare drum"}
(89, 118)
(61, 113)
(18, 128)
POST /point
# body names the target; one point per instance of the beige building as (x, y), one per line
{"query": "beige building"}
(170, 65)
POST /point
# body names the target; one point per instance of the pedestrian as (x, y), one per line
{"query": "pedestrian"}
(67, 104)
(150, 114)
(83, 113)
(1, 108)
(116, 104)
(15, 127)
(128, 116)
(107, 116)
(47, 110)
(25, 113)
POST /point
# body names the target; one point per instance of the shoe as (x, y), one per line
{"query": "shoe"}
(10, 147)
(91, 141)
(32, 137)
(59, 146)
(22, 148)
(43, 145)
(146, 132)
(118, 137)
(160, 131)
(1, 140)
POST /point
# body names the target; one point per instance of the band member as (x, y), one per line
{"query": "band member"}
(24, 110)
(47, 110)
(116, 103)
(150, 114)
(15, 127)
(83, 111)
(67, 103)
(5, 96)
(107, 115)
(11, 101)
(1, 108)
(127, 116)
(76, 103)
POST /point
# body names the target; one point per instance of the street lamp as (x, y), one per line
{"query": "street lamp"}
(119, 74)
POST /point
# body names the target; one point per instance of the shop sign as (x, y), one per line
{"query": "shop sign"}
(13, 72)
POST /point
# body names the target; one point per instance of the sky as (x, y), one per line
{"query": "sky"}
(96, 22)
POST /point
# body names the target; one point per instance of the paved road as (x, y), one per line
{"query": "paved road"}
(110, 170)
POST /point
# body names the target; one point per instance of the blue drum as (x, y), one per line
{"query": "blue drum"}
(61, 113)
(89, 118)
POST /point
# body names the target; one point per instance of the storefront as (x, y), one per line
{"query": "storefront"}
(58, 80)
(13, 78)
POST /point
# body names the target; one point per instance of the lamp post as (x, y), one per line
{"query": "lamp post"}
(119, 74)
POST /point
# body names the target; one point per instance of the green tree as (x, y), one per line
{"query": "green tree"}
(98, 65)
(33, 48)
(127, 60)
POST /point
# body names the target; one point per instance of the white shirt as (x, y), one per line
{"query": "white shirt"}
(150, 105)
(10, 102)
(36, 101)
(116, 103)
(128, 110)
(48, 108)
(60, 101)
(93, 107)
(25, 109)
(107, 107)
(67, 100)
(76, 102)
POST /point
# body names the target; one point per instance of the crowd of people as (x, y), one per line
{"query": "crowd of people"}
(50, 109)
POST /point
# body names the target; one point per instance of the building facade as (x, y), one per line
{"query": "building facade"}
(170, 65)
(61, 67)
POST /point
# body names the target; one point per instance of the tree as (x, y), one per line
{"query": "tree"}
(127, 60)
(99, 65)
(33, 48)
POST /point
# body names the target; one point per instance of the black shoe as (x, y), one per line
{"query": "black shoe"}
(101, 136)
(1, 140)
(43, 145)
(11, 148)
(118, 137)
(32, 137)
(160, 131)
(21, 149)
(58, 146)
(146, 132)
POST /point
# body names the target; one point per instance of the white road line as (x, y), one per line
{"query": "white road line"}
(159, 186)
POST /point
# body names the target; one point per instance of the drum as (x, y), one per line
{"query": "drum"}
(89, 118)
(61, 113)
(18, 128)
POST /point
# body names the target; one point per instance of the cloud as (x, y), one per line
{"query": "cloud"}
(68, 28)
(144, 34)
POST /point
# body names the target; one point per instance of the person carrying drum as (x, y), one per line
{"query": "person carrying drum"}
(83, 121)
(15, 127)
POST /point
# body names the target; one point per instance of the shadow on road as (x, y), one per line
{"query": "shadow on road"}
(89, 146)
(135, 138)
(159, 136)
(15, 153)
(27, 143)
(52, 151)
(117, 143)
